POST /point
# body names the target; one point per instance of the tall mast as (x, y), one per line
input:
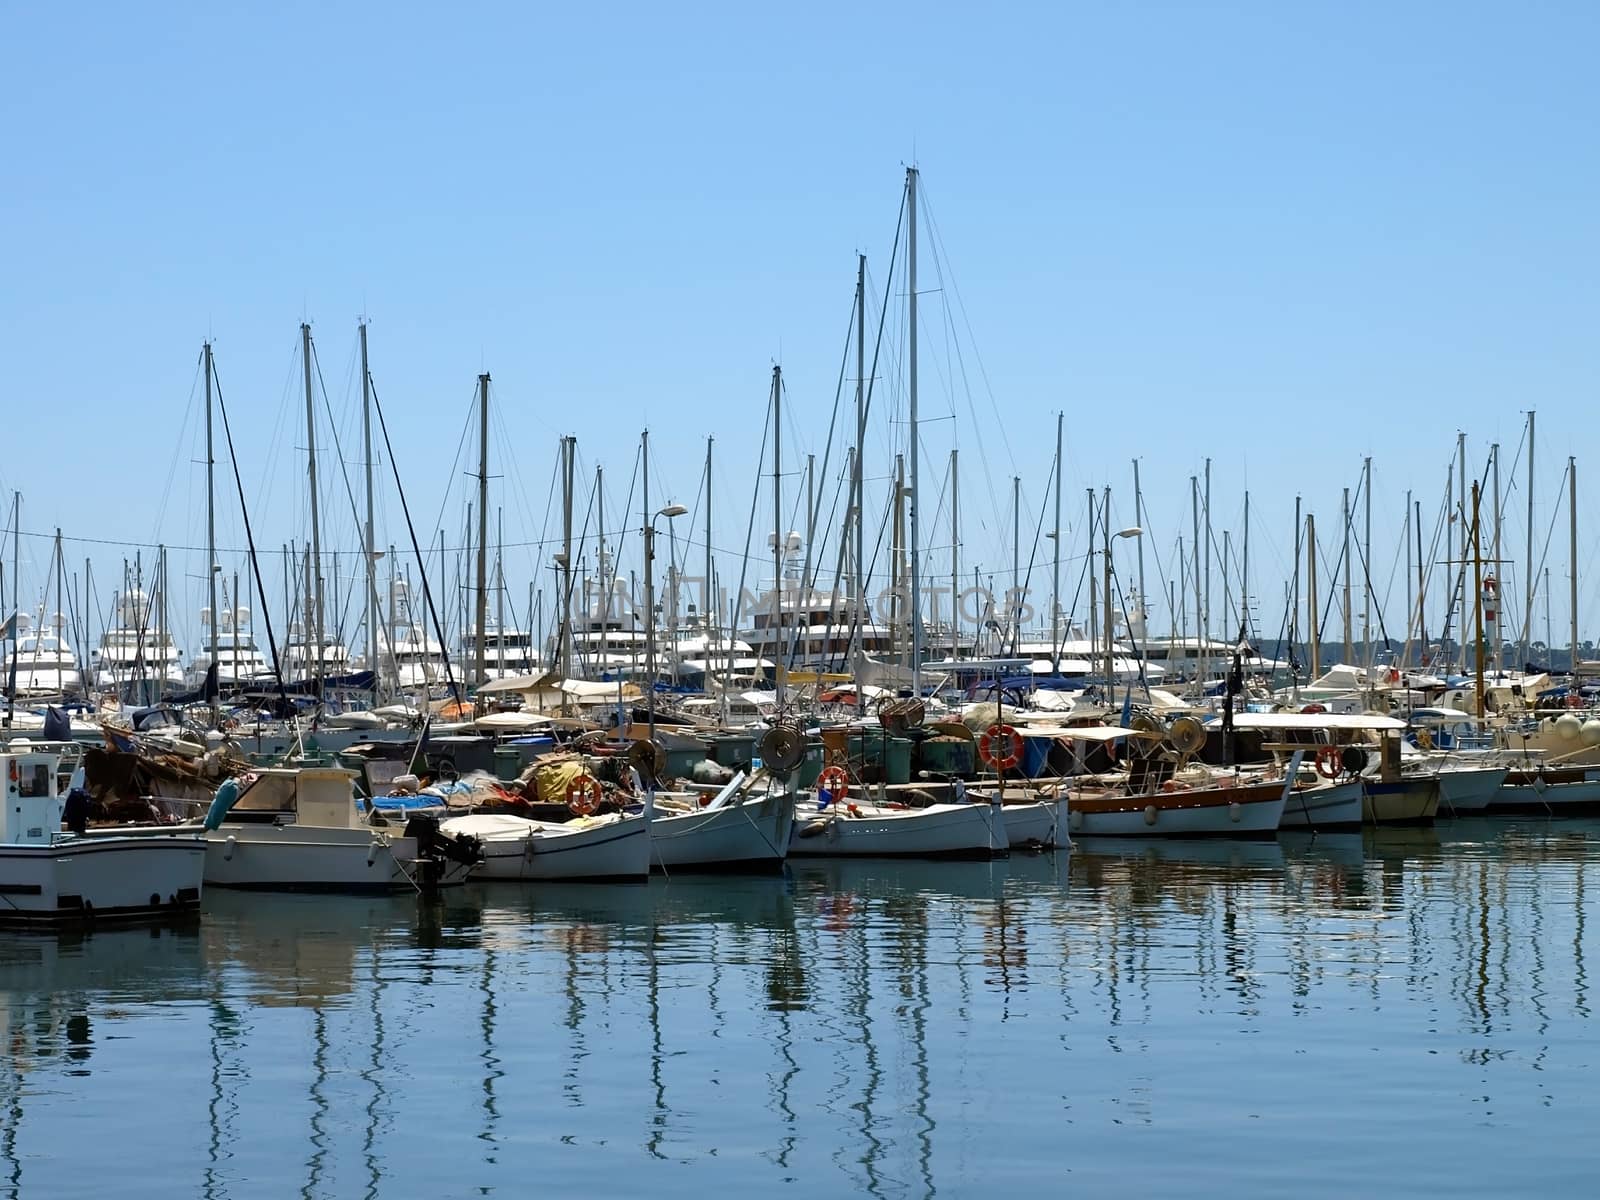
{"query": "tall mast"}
(955, 557)
(1366, 561)
(1527, 612)
(500, 589)
(1138, 519)
(1094, 593)
(313, 622)
(1205, 626)
(1461, 559)
(1105, 527)
(911, 412)
(1477, 604)
(1014, 616)
(1201, 655)
(1349, 651)
(211, 532)
(16, 602)
(1311, 593)
(1572, 555)
(1422, 588)
(1055, 579)
(371, 547)
(1411, 597)
(778, 540)
(604, 567)
(859, 537)
(1494, 552)
(708, 599)
(568, 454)
(1244, 567)
(480, 639)
(1294, 620)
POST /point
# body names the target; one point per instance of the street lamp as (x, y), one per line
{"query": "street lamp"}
(669, 512)
(1132, 531)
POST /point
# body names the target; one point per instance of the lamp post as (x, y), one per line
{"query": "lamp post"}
(669, 512)
(1132, 531)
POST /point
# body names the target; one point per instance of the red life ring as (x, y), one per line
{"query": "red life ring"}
(1574, 700)
(835, 781)
(1000, 760)
(583, 795)
(1328, 764)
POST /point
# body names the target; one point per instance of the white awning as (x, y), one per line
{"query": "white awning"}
(1364, 721)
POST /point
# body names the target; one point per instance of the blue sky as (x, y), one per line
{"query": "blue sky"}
(1283, 237)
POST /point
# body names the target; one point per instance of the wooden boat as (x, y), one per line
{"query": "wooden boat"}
(740, 829)
(51, 877)
(1550, 791)
(1222, 810)
(613, 846)
(974, 831)
(298, 830)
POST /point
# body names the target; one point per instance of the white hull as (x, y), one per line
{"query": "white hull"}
(938, 831)
(75, 879)
(1469, 791)
(516, 848)
(1209, 812)
(1041, 823)
(1540, 797)
(306, 858)
(752, 833)
(1324, 807)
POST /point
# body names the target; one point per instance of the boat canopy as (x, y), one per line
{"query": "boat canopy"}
(1323, 720)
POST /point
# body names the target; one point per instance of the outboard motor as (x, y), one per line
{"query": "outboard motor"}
(436, 849)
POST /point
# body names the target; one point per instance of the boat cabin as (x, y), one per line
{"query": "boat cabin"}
(32, 815)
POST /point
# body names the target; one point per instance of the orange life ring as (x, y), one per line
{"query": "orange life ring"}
(1328, 764)
(583, 795)
(835, 781)
(992, 754)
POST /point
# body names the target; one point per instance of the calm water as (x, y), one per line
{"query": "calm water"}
(1403, 1014)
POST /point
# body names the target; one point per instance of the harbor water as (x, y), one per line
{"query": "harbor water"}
(1406, 1012)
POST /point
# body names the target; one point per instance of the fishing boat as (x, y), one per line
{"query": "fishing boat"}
(739, 829)
(1223, 809)
(975, 831)
(298, 830)
(52, 877)
(613, 846)
(1468, 789)
(1323, 804)
(1549, 790)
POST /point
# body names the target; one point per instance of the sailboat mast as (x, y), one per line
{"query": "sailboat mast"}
(1349, 651)
(859, 613)
(1477, 604)
(1244, 568)
(708, 604)
(911, 412)
(370, 547)
(955, 557)
(568, 447)
(1055, 579)
(1201, 650)
(1138, 519)
(481, 622)
(1311, 593)
(1572, 555)
(1366, 561)
(314, 578)
(778, 540)
(604, 568)
(500, 589)
(1527, 612)
(1294, 619)
(211, 529)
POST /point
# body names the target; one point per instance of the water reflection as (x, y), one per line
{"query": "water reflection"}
(897, 1029)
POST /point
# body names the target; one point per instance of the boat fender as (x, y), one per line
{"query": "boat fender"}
(228, 848)
(1074, 819)
(372, 852)
(1235, 811)
(1150, 814)
(224, 799)
(812, 828)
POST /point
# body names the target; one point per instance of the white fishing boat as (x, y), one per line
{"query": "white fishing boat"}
(298, 830)
(881, 831)
(613, 846)
(740, 829)
(1468, 789)
(1224, 809)
(48, 876)
(1549, 790)
(1325, 804)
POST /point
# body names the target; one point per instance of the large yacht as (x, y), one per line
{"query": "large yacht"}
(410, 660)
(45, 663)
(134, 657)
(239, 659)
(507, 653)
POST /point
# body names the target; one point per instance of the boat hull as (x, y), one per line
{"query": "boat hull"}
(101, 879)
(1400, 802)
(1253, 810)
(518, 849)
(973, 831)
(1037, 823)
(752, 835)
(1528, 792)
(1469, 791)
(1332, 806)
(304, 858)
